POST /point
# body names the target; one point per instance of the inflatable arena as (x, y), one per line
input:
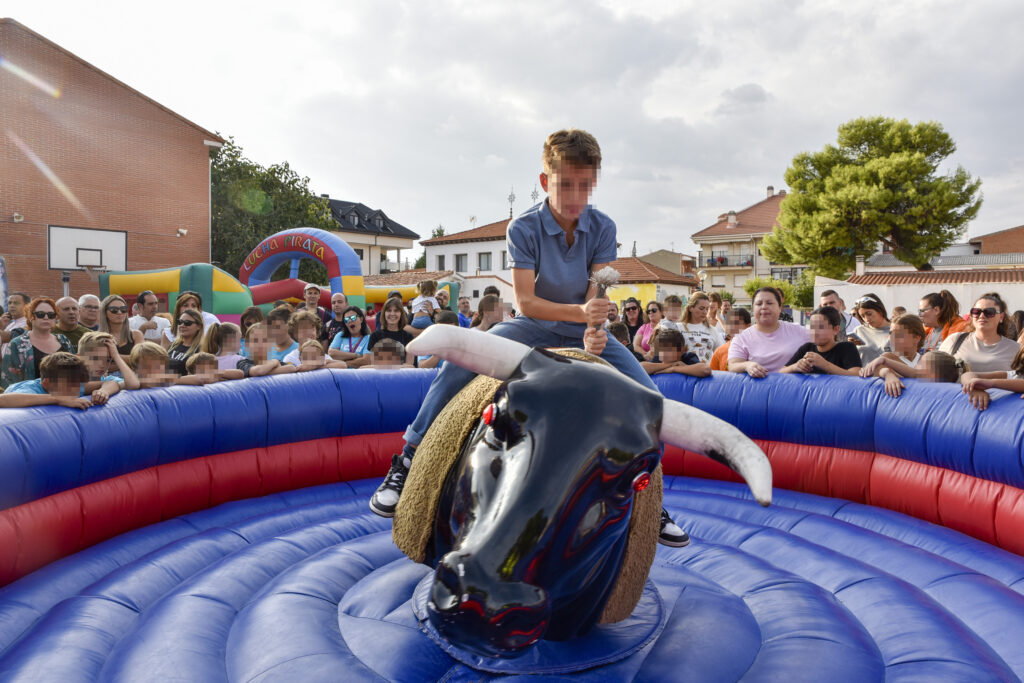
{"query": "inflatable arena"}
(222, 533)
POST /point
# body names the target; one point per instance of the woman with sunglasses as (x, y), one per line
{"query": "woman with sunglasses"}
(187, 300)
(984, 348)
(642, 340)
(352, 343)
(114, 321)
(940, 314)
(632, 317)
(190, 335)
(23, 355)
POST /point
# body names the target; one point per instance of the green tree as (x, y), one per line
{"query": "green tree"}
(728, 296)
(251, 202)
(803, 289)
(880, 183)
(756, 283)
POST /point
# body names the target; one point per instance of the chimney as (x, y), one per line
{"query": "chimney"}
(771, 191)
(732, 219)
(782, 192)
(860, 265)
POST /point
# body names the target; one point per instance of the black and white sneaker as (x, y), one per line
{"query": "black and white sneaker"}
(671, 535)
(385, 498)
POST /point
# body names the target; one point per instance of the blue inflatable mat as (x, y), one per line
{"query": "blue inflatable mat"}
(307, 585)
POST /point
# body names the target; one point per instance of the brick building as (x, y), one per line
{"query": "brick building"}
(80, 149)
(1009, 241)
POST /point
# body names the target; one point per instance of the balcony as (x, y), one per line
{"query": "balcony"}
(725, 261)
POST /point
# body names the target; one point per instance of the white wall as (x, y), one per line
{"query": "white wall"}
(909, 296)
(472, 251)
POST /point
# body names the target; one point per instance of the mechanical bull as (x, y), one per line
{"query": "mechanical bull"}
(532, 518)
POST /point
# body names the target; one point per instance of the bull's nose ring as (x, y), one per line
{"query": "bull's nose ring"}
(641, 481)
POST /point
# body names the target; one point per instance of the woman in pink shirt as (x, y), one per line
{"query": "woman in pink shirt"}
(642, 339)
(768, 344)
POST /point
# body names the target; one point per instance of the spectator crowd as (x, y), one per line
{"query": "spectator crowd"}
(79, 352)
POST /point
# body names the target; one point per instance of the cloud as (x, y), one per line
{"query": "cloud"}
(432, 111)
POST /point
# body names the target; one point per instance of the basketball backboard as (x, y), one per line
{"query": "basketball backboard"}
(82, 249)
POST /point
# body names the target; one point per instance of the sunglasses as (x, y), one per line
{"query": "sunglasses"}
(653, 310)
(117, 309)
(351, 318)
(186, 323)
(631, 308)
(44, 314)
(987, 312)
(922, 311)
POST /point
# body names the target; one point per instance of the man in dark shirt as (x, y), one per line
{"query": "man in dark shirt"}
(67, 321)
(312, 295)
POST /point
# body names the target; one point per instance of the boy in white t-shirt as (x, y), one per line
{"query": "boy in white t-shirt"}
(673, 320)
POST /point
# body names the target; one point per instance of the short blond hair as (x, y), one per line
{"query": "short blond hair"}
(146, 349)
(311, 343)
(197, 358)
(571, 146)
(93, 340)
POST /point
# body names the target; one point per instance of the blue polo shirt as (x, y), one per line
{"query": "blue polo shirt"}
(562, 273)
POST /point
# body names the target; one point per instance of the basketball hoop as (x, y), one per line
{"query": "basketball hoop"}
(94, 272)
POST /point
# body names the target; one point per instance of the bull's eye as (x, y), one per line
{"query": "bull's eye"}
(641, 481)
(495, 467)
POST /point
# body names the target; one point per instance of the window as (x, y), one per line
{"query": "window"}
(483, 260)
(440, 262)
(353, 219)
(790, 275)
(461, 263)
(739, 280)
(718, 281)
(378, 221)
(476, 293)
(359, 253)
(504, 260)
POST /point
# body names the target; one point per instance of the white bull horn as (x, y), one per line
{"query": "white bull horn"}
(482, 353)
(687, 427)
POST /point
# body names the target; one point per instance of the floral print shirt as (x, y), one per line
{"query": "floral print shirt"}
(18, 362)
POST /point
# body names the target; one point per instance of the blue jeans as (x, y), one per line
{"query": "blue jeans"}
(450, 380)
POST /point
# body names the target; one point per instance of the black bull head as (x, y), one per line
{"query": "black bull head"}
(532, 519)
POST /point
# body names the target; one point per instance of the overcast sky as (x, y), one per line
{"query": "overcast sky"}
(433, 111)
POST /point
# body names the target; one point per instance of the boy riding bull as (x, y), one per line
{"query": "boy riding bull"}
(553, 249)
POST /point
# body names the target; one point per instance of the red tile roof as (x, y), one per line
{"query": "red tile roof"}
(1008, 275)
(756, 219)
(405, 278)
(634, 271)
(484, 233)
